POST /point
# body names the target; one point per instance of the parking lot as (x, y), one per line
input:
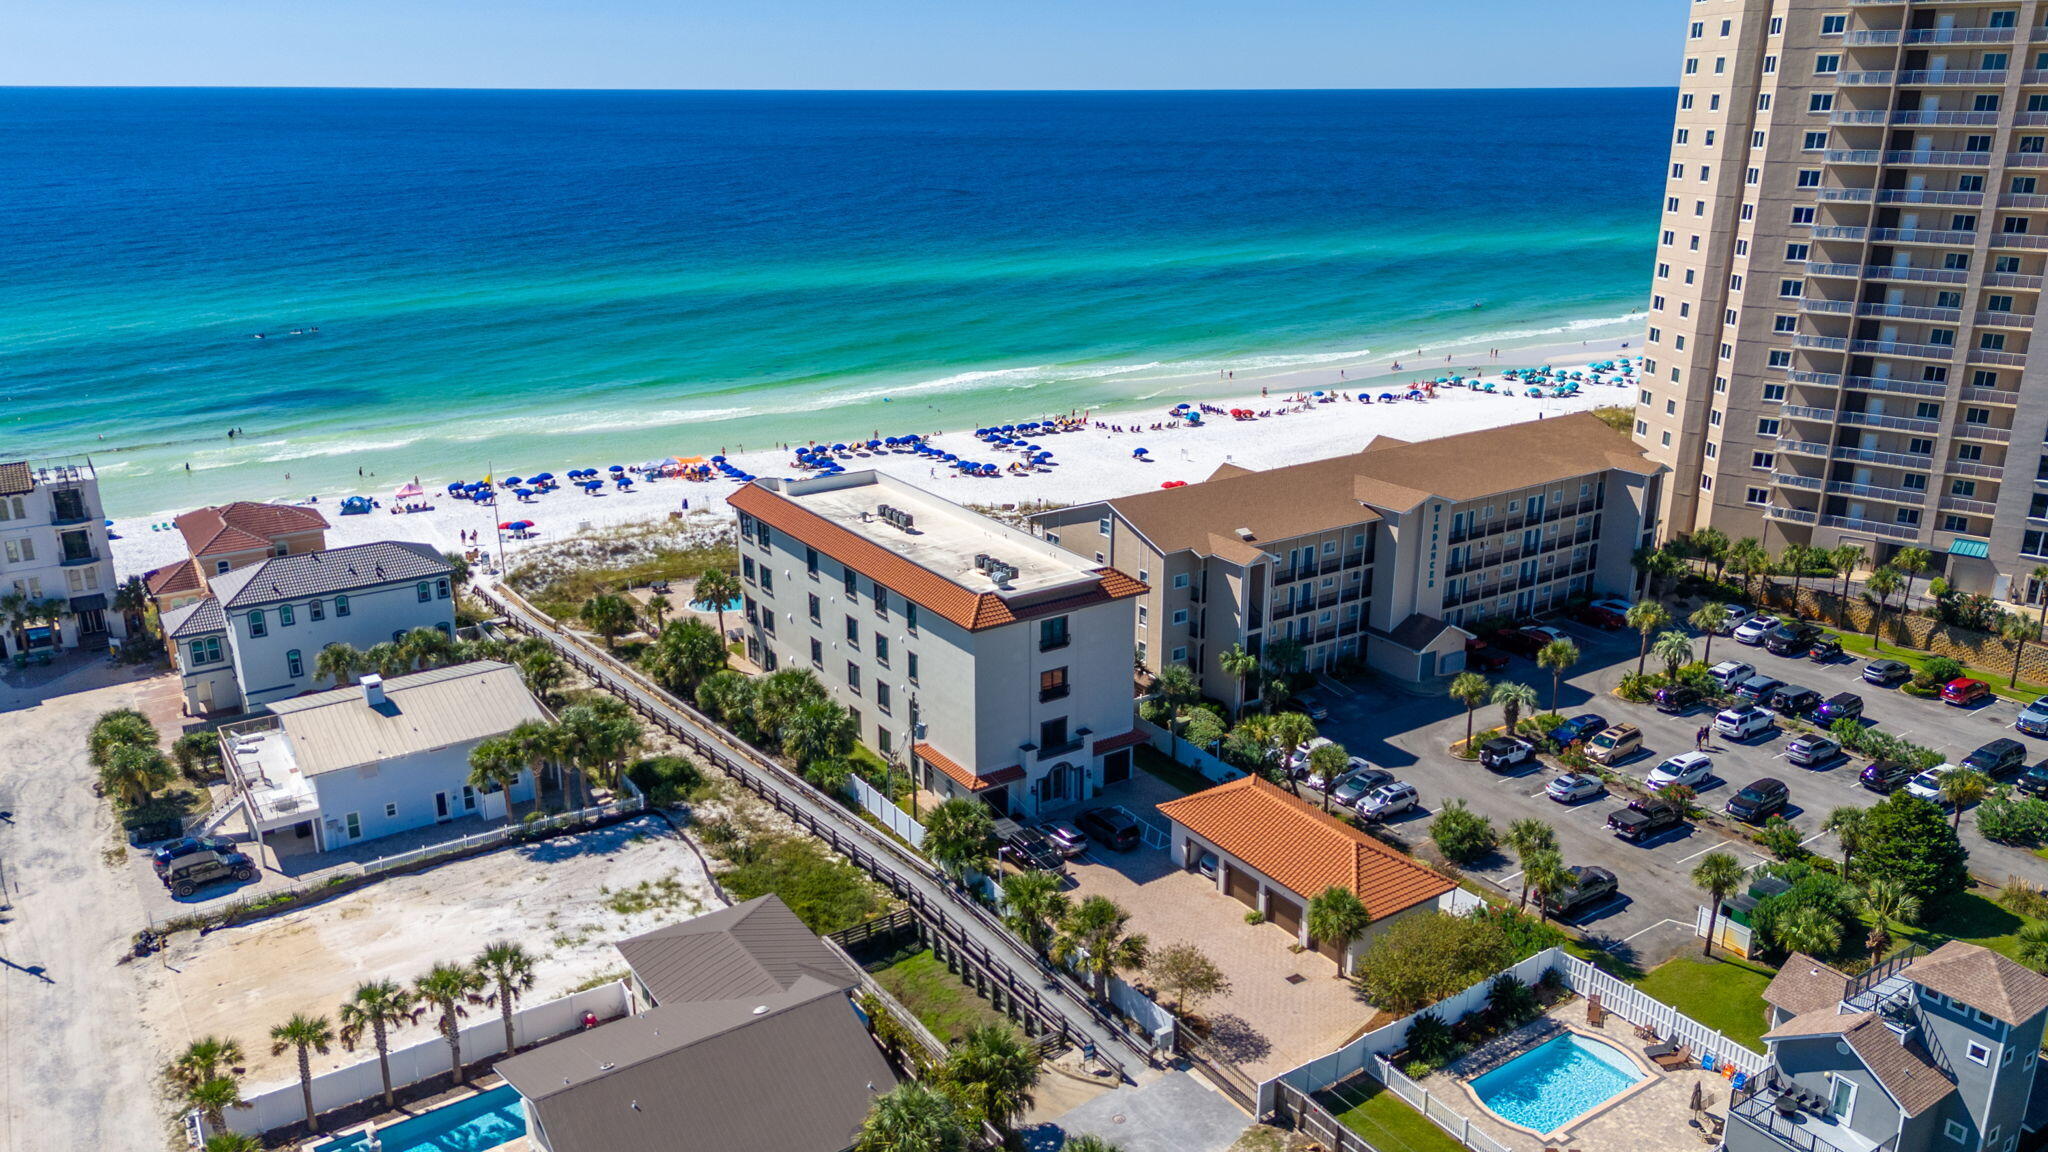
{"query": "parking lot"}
(1652, 917)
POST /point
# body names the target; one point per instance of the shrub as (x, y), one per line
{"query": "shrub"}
(1430, 1039)
(1524, 934)
(2010, 819)
(1511, 1001)
(1781, 838)
(2024, 898)
(1419, 960)
(1936, 671)
(1910, 838)
(1255, 917)
(1461, 834)
(667, 780)
(1637, 689)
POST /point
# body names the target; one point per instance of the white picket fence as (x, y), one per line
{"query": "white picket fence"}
(882, 808)
(277, 1107)
(1441, 1114)
(1632, 1005)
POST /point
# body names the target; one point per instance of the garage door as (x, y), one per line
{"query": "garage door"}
(1116, 767)
(1284, 912)
(1244, 887)
(1330, 948)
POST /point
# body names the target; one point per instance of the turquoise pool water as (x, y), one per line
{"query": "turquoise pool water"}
(473, 1125)
(732, 605)
(1556, 1082)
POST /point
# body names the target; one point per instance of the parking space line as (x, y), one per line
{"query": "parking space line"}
(1651, 928)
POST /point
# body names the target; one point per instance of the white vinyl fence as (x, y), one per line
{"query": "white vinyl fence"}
(1426, 1102)
(1633, 1006)
(277, 1107)
(885, 810)
(1154, 1020)
(1203, 762)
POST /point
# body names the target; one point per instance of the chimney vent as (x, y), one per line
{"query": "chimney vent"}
(1244, 534)
(373, 690)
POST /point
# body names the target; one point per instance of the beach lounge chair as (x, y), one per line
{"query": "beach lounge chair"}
(1673, 1061)
(1659, 1050)
(1596, 1015)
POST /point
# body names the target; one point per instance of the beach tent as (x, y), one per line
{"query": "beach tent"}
(409, 491)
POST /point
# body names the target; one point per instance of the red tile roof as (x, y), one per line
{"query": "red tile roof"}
(244, 526)
(1112, 743)
(1303, 849)
(969, 609)
(172, 579)
(961, 774)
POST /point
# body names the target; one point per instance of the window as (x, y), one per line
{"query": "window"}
(1820, 102)
(814, 606)
(1908, 516)
(1143, 615)
(817, 654)
(1767, 427)
(1763, 461)
(881, 600)
(1809, 178)
(1180, 580)
(1815, 142)
(1052, 633)
(852, 588)
(1833, 25)
(1791, 289)
(1962, 488)
(1826, 65)
(910, 617)
(1102, 526)
(881, 650)
(1978, 1053)
(910, 666)
(316, 610)
(1955, 1131)
(1796, 252)
(882, 697)
(441, 588)
(1052, 734)
(425, 590)
(1052, 684)
(1997, 303)
(293, 666)
(767, 577)
(1757, 496)
(206, 651)
(852, 632)
(853, 677)
(1180, 656)
(341, 606)
(390, 811)
(811, 563)
(285, 616)
(1683, 137)
(256, 625)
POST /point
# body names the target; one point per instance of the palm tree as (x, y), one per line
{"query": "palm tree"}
(1795, 558)
(1711, 546)
(308, 1034)
(1674, 648)
(2015, 631)
(427, 647)
(959, 835)
(214, 1098)
(2033, 946)
(1526, 837)
(912, 1118)
(135, 771)
(1887, 900)
(1718, 874)
(119, 728)
(1326, 762)
(1513, 699)
(495, 764)
(1177, 688)
(1470, 689)
(449, 989)
(1558, 655)
(1290, 731)
(508, 969)
(207, 1058)
(658, 607)
(1747, 559)
(243, 1142)
(1545, 874)
(542, 671)
(820, 730)
(387, 659)
(1235, 661)
(338, 662)
(540, 744)
(1090, 1143)
(1092, 936)
(1846, 558)
(608, 615)
(2040, 588)
(1962, 788)
(716, 588)
(991, 1072)
(1337, 916)
(1034, 903)
(1710, 619)
(1808, 928)
(1882, 583)
(375, 1009)
(1646, 616)
(1911, 562)
(1847, 823)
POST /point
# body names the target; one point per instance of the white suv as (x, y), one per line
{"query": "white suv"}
(1744, 722)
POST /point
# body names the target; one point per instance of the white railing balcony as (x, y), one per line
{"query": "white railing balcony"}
(1867, 116)
(1896, 423)
(1801, 412)
(1984, 432)
(1974, 468)
(1903, 348)
(1831, 307)
(2034, 76)
(1965, 504)
(1823, 343)
(1927, 196)
(1847, 195)
(1935, 158)
(1976, 395)
(1875, 492)
(2018, 240)
(1863, 79)
(1802, 447)
(1794, 480)
(1975, 119)
(1876, 456)
(2005, 319)
(2026, 160)
(1909, 272)
(2011, 280)
(1839, 232)
(1873, 36)
(1796, 515)
(1955, 36)
(1973, 76)
(1912, 312)
(1993, 356)
(1924, 236)
(1898, 387)
(1853, 155)
(1818, 379)
(2032, 201)
(1835, 271)
(1875, 528)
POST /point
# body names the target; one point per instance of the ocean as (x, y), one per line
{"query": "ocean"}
(453, 281)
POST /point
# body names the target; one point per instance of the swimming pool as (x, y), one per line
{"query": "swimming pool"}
(1556, 1082)
(482, 1121)
(732, 605)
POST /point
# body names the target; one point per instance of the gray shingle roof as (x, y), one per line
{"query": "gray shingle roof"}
(195, 619)
(325, 573)
(751, 949)
(1805, 985)
(1983, 979)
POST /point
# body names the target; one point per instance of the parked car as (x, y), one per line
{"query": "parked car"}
(1688, 768)
(1743, 722)
(1644, 818)
(1589, 887)
(1792, 700)
(1812, 750)
(1737, 617)
(1505, 752)
(1885, 673)
(1790, 638)
(1387, 800)
(1032, 851)
(1963, 692)
(1577, 728)
(1677, 699)
(1757, 689)
(1573, 787)
(1840, 706)
(1072, 843)
(1518, 641)
(1758, 800)
(2033, 719)
(1753, 630)
(1313, 706)
(194, 870)
(162, 856)
(1298, 763)
(2033, 781)
(1615, 744)
(1927, 785)
(1356, 783)
(1608, 614)
(1544, 634)
(1824, 650)
(1729, 673)
(1885, 776)
(1111, 827)
(2001, 757)
(1483, 656)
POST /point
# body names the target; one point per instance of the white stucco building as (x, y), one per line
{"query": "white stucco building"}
(998, 664)
(255, 638)
(383, 756)
(54, 557)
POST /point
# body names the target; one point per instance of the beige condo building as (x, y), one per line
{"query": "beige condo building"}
(1848, 277)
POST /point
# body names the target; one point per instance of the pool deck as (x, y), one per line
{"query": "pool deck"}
(477, 1086)
(1652, 1116)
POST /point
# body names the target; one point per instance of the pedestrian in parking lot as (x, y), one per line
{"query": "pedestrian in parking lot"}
(1699, 738)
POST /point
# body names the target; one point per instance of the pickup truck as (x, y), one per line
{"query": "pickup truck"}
(1643, 819)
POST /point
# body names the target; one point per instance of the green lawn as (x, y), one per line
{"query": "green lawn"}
(1970, 918)
(1179, 775)
(1365, 1106)
(946, 1004)
(1858, 644)
(1723, 993)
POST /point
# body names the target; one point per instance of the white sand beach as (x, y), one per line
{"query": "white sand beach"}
(1086, 465)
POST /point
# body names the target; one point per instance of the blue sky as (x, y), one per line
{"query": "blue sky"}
(887, 44)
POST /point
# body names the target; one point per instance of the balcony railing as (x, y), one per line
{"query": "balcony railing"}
(1974, 468)
(1796, 515)
(1874, 527)
(1912, 312)
(1853, 155)
(1992, 356)
(1863, 79)
(2029, 200)
(1516, 523)
(1939, 159)
(1803, 447)
(1897, 387)
(1834, 307)
(1924, 236)
(2011, 280)
(1975, 395)
(1908, 272)
(1795, 480)
(1985, 432)
(1972, 507)
(1807, 1133)
(1877, 492)
(2018, 240)
(1876, 456)
(1903, 348)
(72, 559)
(2026, 160)
(1800, 412)
(1985, 76)
(1840, 232)
(1896, 423)
(1958, 36)
(2006, 319)
(1821, 343)
(1509, 555)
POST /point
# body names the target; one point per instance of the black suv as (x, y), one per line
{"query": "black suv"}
(1032, 850)
(2034, 781)
(1113, 827)
(164, 854)
(1790, 638)
(2001, 757)
(1759, 800)
(188, 873)
(1885, 776)
(1840, 706)
(1792, 700)
(1677, 699)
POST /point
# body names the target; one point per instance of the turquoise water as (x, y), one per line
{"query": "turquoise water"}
(482, 1121)
(1556, 1082)
(453, 281)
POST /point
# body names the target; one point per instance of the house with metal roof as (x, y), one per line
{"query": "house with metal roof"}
(255, 637)
(1274, 852)
(336, 768)
(744, 1039)
(997, 664)
(1923, 1053)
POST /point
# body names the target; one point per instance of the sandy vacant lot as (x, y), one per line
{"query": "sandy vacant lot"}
(565, 900)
